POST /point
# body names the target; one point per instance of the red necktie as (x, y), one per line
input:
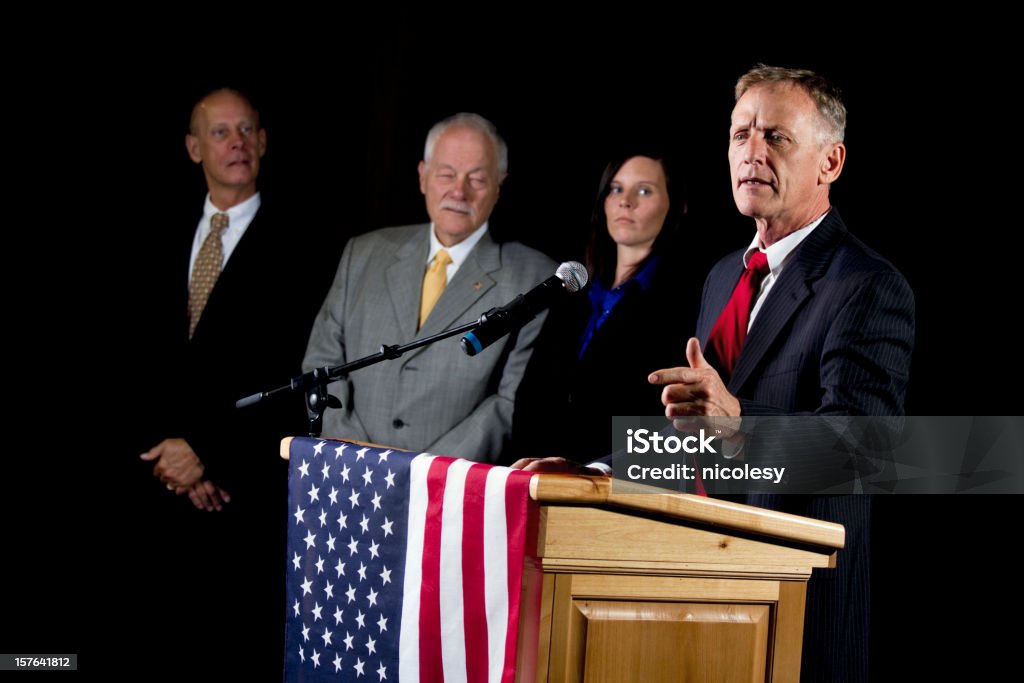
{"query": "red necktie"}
(730, 331)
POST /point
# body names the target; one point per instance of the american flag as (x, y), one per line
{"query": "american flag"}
(401, 566)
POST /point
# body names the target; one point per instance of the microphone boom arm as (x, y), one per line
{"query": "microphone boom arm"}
(314, 383)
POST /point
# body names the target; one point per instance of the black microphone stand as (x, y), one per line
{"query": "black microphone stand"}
(315, 382)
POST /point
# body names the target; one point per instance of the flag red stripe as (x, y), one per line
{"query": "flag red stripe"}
(473, 593)
(431, 668)
(517, 498)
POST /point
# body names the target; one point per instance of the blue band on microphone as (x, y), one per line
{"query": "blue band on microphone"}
(471, 338)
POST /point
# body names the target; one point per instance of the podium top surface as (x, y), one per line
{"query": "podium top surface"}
(570, 489)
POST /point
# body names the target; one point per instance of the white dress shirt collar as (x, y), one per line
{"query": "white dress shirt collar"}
(778, 254)
(458, 252)
(239, 218)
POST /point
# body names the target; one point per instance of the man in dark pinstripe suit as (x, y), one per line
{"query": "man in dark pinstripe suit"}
(831, 329)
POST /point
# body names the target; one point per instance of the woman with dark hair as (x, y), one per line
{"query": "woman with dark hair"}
(594, 356)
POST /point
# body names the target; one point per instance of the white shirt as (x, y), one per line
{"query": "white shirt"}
(778, 255)
(458, 252)
(239, 218)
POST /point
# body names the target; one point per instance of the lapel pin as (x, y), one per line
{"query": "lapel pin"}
(477, 285)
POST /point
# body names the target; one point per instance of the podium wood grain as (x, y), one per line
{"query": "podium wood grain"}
(635, 584)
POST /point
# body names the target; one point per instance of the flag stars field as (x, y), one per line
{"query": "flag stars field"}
(386, 516)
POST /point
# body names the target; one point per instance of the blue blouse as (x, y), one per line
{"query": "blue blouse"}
(604, 300)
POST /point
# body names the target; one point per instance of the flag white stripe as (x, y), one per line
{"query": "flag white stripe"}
(496, 576)
(409, 640)
(453, 623)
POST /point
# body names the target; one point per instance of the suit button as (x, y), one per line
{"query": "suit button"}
(397, 424)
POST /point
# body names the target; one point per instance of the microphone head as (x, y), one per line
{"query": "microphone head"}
(573, 275)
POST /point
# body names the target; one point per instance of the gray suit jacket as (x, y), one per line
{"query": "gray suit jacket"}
(434, 398)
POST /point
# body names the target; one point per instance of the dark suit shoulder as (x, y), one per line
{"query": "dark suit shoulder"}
(853, 253)
(833, 247)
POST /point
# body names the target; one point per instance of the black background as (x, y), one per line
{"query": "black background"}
(95, 126)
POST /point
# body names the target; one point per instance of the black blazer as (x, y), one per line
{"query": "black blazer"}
(565, 403)
(251, 337)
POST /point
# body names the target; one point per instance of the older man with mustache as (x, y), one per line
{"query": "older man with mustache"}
(399, 284)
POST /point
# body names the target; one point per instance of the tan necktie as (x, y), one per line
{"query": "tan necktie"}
(205, 270)
(434, 281)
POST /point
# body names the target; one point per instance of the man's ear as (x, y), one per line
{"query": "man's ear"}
(832, 163)
(261, 136)
(192, 145)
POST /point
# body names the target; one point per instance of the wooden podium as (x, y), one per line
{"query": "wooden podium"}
(642, 586)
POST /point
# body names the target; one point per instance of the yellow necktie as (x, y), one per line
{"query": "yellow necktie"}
(434, 281)
(206, 270)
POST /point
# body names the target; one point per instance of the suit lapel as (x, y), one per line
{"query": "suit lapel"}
(719, 292)
(787, 295)
(471, 282)
(405, 281)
